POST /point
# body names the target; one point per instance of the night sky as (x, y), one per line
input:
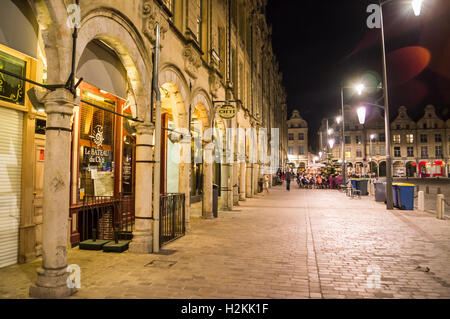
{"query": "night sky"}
(321, 44)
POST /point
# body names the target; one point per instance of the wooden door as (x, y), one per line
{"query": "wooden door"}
(38, 185)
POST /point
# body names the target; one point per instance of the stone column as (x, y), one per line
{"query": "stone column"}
(236, 183)
(184, 178)
(255, 178)
(249, 180)
(225, 191)
(53, 276)
(142, 242)
(242, 179)
(207, 203)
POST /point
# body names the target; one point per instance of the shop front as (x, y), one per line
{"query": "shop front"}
(103, 151)
(431, 169)
(19, 219)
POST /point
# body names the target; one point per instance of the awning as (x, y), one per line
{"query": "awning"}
(102, 68)
(18, 27)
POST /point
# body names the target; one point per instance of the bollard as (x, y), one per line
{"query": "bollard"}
(440, 206)
(421, 201)
(439, 191)
(428, 189)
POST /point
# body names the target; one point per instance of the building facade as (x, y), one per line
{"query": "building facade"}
(101, 151)
(298, 153)
(418, 149)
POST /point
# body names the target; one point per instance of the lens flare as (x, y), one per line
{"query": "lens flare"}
(407, 63)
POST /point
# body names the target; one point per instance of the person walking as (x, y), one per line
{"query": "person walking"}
(288, 181)
(266, 183)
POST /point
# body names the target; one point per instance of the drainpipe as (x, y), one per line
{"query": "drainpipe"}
(157, 156)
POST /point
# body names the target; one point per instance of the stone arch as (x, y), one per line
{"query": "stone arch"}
(398, 168)
(382, 169)
(115, 30)
(202, 101)
(171, 74)
(57, 39)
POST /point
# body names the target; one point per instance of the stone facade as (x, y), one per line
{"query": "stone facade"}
(418, 149)
(211, 50)
(298, 153)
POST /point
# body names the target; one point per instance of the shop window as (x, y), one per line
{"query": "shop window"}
(40, 126)
(96, 167)
(12, 89)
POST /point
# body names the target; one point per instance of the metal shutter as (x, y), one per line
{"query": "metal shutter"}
(11, 124)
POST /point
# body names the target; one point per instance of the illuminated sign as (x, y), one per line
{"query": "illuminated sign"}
(348, 154)
(227, 111)
(11, 88)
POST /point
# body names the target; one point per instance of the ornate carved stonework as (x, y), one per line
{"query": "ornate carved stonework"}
(150, 14)
(192, 60)
(214, 83)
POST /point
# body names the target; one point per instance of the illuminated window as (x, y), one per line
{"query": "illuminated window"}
(409, 138)
(396, 139)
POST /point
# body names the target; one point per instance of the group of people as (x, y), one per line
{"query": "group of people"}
(307, 180)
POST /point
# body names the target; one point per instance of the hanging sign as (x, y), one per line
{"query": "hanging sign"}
(227, 111)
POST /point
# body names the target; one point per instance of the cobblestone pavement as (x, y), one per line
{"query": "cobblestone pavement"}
(301, 244)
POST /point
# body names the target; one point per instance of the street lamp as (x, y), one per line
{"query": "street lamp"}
(331, 143)
(417, 5)
(359, 88)
(361, 115)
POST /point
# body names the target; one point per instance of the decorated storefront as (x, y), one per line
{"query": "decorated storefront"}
(431, 169)
(103, 149)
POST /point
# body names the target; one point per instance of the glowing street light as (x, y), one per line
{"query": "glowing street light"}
(361, 114)
(331, 142)
(330, 131)
(338, 119)
(359, 88)
(417, 6)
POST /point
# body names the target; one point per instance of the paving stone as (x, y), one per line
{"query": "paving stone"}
(302, 244)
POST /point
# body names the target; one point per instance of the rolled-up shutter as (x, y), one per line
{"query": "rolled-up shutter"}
(11, 123)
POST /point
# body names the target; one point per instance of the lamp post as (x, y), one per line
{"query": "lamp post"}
(359, 88)
(417, 5)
